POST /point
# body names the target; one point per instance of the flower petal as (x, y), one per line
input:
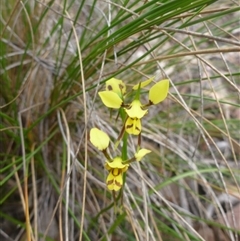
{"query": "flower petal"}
(159, 91)
(133, 126)
(135, 110)
(99, 139)
(116, 163)
(110, 99)
(143, 83)
(141, 153)
(114, 180)
(116, 85)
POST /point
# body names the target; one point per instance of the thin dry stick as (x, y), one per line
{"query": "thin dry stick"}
(25, 171)
(185, 54)
(229, 34)
(22, 193)
(132, 222)
(157, 230)
(28, 224)
(35, 200)
(145, 203)
(60, 205)
(68, 175)
(25, 166)
(18, 184)
(85, 129)
(191, 33)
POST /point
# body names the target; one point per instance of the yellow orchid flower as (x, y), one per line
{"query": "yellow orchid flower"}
(115, 177)
(133, 126)
(135, 110)
(112, 96)
(116, 85)
(99, 139)
(158, 92)
(116, 166)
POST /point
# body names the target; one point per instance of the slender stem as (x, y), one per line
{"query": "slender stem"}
(106, 155)
(139, 140)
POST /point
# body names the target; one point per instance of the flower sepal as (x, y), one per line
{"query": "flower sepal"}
(158, 92)
(143, 83)
(110, 99)
(138, 156)
(99, 139)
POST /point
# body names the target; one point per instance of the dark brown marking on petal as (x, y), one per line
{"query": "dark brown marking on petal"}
(129, 126)
(121, 86)
(118, 184)
(110, 182)
(137, 128)
(109, 87)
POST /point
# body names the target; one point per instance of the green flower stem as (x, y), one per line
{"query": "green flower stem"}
(125, 136)
(137, 96)
(124, 152)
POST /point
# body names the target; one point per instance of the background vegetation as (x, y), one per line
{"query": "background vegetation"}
(55, 56)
